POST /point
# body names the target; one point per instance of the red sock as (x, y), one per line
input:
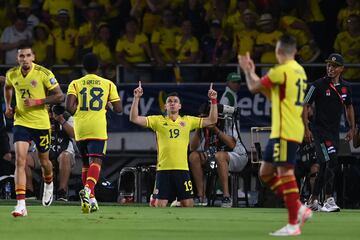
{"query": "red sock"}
(48, 179)
(93, 176)
(275, 184)
(20, 192)
(84, 172)
(291, 197)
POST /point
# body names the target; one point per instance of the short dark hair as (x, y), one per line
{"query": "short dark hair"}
(173, 94)
(25, 46)
(90, 62)
(287, 43)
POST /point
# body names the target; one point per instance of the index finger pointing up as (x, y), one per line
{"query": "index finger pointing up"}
(211, 86)
(139, 83)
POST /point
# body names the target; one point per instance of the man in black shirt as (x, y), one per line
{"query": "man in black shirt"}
(329, 95)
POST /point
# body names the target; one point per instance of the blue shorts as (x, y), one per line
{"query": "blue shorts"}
(171, 184)
(281, 152)
(92, 148)
(41, 137)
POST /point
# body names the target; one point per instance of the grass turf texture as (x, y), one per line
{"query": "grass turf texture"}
(139, 222)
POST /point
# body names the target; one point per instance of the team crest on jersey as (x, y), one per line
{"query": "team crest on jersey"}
(33, 83)
(52, 81)
(327, 92)
(182, 124)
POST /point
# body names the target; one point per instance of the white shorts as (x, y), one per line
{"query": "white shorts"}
(238, 159)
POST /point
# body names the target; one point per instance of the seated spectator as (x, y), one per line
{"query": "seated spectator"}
(219, 144)
(353, 7)
(133, 48)
(14, 36)
(347, 43)
(61, 150)
(43, 45)
(194, 11)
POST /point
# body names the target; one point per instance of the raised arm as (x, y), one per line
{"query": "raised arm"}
(253, 81)
(134, 110)
(213, 115)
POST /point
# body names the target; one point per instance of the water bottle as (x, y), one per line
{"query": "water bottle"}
(8, 190)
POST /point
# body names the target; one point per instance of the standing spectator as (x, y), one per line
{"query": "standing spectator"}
(287, 128)
(347, 43)
(244, 41)
(43, 45)
(51, 8)
(87, 31)
(87, 100)
(330, 95)
(104, 50)
(132, 48)
(32, 20)
(267, 38)
(34, 86)
(352, 8)
(187, 49)
(194, 11)
(172, 131)
(64, 38)
(14, 36)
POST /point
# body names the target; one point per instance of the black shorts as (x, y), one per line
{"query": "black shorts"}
(92, 148)
(41, 137)
(281, 152)
(324, 146)
(4, 140)
(171, 184)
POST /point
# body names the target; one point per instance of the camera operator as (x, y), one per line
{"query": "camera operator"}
(220, 143)
(61, 150)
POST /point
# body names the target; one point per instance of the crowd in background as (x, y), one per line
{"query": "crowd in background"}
(176, 32)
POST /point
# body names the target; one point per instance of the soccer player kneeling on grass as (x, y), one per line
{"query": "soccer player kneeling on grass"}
(87, 100)
(284, 85)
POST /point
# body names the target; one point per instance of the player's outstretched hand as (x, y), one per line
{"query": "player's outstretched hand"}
(212, 93)
(246, 63)
(138, 92)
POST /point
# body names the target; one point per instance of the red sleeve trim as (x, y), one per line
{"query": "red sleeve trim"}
(266, 82)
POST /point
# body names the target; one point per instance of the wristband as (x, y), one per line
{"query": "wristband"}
(38, 102)
(213, 101)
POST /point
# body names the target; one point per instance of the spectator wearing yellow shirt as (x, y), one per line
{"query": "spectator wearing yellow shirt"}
(187, 48)
(347, 43)
(163, 46)
(267, 38)
(103, 49)
(353, 7)
(87, 31)
(307, 48)
(244, 41)
(43, 45)
(51, 8)
(65, 46)
(133, 48)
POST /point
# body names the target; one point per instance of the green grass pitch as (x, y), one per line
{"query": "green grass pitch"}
(66, 222)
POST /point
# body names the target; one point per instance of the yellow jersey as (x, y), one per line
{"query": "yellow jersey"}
(40, 49)
(134, 51)
(287, 84)
(184, 50)
(103, 51)
(92, 93)
(270, 39)
(172, 140)
(165, 38)
(34, 85)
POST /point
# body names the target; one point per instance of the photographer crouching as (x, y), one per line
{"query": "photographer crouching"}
(221, 144)
(61, 150)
